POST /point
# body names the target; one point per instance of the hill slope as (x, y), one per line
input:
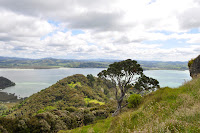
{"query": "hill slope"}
(166, 110)
(71, 102)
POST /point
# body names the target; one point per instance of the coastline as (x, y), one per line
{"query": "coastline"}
(7, 97)
(145, 69)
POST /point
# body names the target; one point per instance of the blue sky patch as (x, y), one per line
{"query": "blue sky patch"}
(194, 30)
(76, 32)
(55, 23)
(171, 43)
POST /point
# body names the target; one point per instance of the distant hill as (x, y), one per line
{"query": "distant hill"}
(45, 63)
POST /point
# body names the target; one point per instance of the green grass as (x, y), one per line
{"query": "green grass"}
(88, 100)
(101, 127)
(48, 108)
(72, 84)
(166, 110)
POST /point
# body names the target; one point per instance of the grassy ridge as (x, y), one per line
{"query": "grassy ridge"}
(166, 110)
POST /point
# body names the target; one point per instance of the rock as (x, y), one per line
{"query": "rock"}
(4, 83)
(194, 67)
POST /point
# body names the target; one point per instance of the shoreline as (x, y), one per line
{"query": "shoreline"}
(35, 68)
(8, 97)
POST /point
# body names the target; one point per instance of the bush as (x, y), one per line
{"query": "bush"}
(3, 108)
(71, 109)
(134, 100)
(190, 62)
(88, 118)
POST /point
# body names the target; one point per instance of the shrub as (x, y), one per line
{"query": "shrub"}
(134, 100)
(71, 109)
(3, 108)
(190, 62)
(88, 118)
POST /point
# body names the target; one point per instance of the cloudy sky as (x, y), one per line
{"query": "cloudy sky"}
(164, 30)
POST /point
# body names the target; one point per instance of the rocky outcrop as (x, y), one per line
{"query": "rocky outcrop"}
(194, 67)
(4, 83)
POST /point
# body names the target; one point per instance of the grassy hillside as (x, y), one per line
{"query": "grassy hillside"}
(166, 110)
(71, 102)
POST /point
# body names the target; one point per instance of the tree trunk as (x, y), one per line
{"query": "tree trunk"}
(119, 107)
(119, 101)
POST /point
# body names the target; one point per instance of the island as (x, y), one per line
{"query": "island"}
(4, 83)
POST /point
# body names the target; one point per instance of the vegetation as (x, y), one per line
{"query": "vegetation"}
(76, 101)
(190, 62)
(68, 104)
(145, 84)
(134, 100)
(123, 75)
(165, 110)
(8, 62)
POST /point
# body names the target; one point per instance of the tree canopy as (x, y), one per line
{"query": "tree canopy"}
(123, 74)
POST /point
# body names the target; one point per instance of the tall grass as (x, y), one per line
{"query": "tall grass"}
(165, 110)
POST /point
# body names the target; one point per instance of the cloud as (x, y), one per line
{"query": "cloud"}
(117, 29)
(190, 18)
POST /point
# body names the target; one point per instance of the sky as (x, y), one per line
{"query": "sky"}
(154, 30)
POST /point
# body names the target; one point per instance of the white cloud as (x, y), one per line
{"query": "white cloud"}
(111, 28)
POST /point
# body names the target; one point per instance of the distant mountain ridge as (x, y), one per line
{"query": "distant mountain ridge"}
(44, 63)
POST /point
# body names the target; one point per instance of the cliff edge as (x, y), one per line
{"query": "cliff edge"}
(194, 66)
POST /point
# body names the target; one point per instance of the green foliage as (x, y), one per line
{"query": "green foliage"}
(134, 100)
(3, 108)
(123, 75)
(48, 108)
(71, 109)
(73, 85)
(60, 106)
(165, 110)
(145, 83)
(91, 80)
(88, 100)
(190, 62)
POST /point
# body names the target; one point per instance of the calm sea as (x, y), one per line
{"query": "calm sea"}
(29, 81)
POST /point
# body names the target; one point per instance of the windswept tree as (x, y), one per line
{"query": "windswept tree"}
(123, 74)
(146, 84)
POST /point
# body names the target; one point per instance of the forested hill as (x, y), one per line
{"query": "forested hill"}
(72, 102)
(45, 63)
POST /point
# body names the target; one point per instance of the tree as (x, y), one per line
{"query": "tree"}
(123, 75)
(145, 83)
(91, 79)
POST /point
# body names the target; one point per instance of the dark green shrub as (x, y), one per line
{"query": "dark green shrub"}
(91, 80)
(88, 118)
(101, 114)
(71, 109)
(134, 100)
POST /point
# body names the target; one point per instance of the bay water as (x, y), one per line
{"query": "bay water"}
(30, 81)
